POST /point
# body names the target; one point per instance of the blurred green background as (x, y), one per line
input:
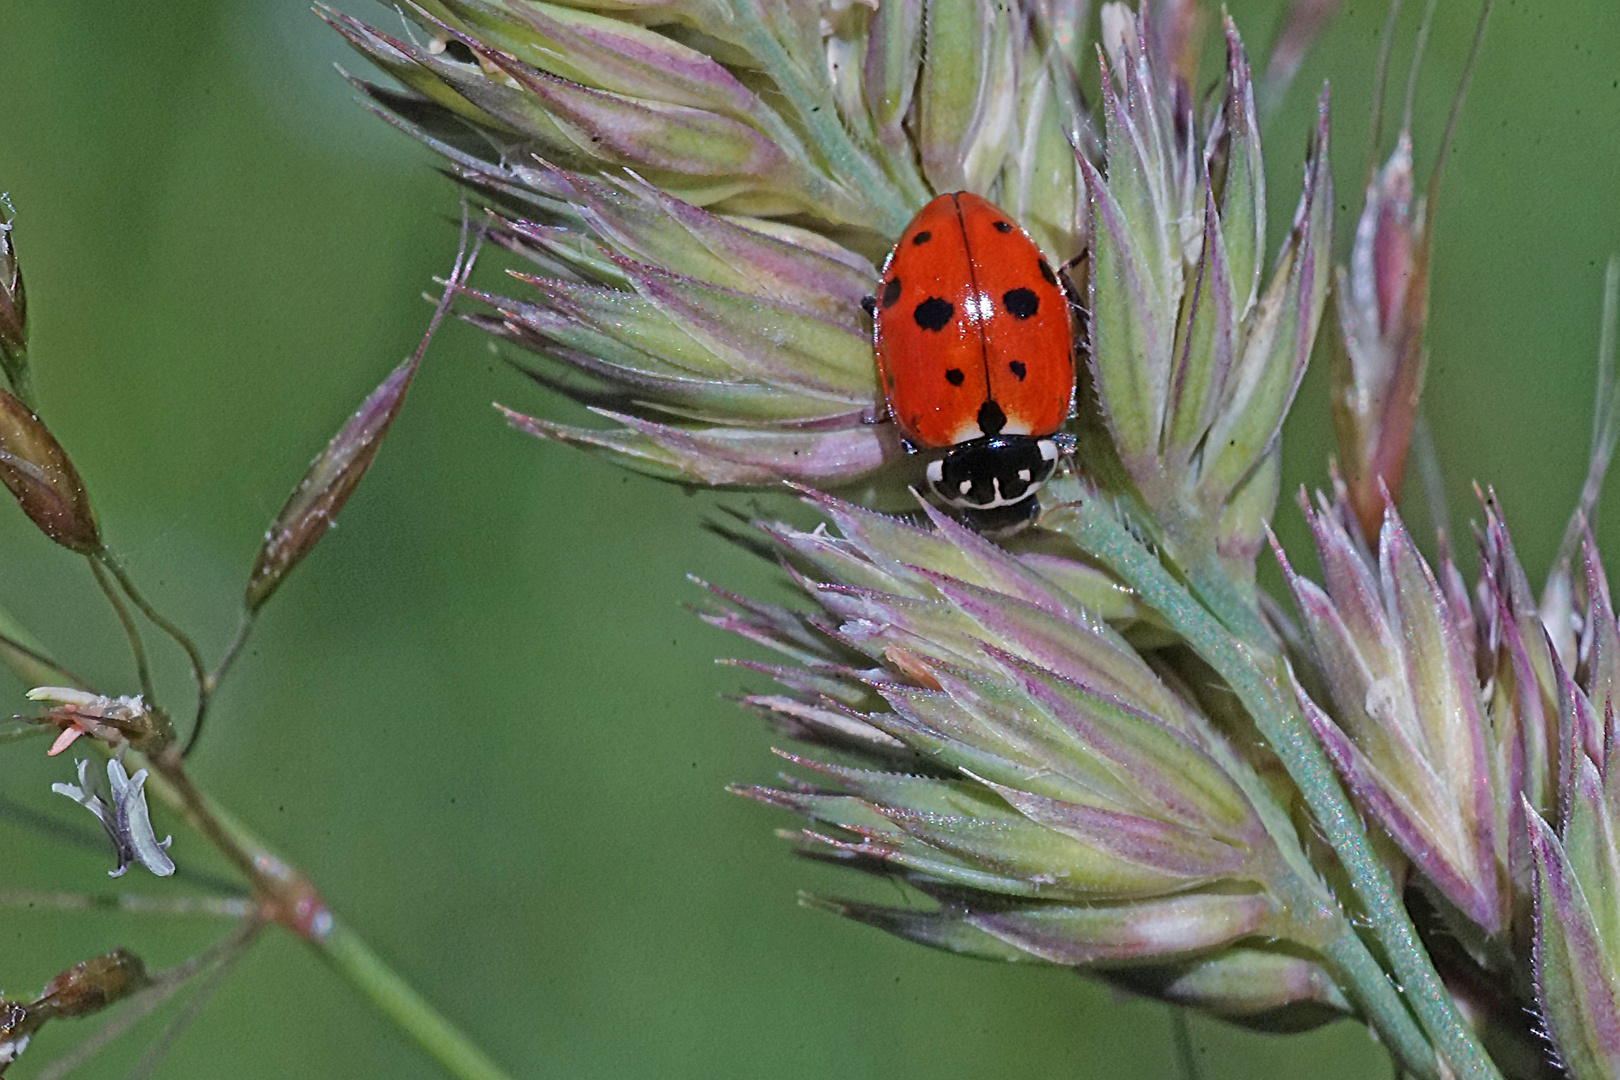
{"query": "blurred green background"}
(479, 715)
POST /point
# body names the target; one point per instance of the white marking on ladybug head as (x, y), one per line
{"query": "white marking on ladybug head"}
(1049, 449)
(936, 472)
(965, 486)
(997, 502)
(1025, 475)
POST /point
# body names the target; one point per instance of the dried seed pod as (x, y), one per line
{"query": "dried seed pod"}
(91, 986)
(42, 478)
(13, 310)
(331, 479)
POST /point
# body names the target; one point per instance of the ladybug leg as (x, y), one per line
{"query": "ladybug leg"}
(1067, 274)
(1075, 270)
(1082, 332)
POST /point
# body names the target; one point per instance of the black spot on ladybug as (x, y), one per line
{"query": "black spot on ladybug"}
(933, 313)
(1046, 272)
(991, 418)
(1017, 368)
(891, 292)
(1021, 303)
(922, 238)
(954, 376)
(1002, 226)
(869, 304)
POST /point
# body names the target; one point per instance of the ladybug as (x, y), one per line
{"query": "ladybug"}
(975, 351)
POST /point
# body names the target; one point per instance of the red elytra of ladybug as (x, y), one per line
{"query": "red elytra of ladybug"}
(975, 350)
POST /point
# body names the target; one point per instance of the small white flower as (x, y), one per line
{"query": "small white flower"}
(12, 1049)
(125, 819)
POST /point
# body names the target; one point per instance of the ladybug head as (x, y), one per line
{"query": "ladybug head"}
(992, 472)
